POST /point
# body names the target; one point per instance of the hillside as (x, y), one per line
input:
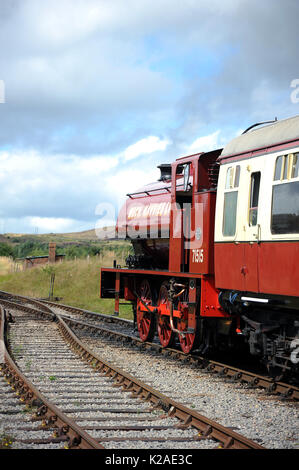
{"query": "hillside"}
(85, 236)
(72, 245)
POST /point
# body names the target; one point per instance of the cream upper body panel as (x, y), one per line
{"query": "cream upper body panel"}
(237, 177)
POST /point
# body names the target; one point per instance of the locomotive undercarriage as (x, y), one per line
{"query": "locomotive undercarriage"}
(270, 330)
(273, 341)
(157, 298)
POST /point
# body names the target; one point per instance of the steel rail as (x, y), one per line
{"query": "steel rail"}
(50, 414)
(69, 308)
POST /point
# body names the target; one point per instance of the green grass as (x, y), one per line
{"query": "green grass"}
(77, 283)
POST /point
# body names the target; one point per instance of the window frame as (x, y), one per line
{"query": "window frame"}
(251, 197)
(289, 160)
(233, 187)
(288, 165)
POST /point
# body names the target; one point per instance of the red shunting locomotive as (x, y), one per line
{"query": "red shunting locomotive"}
(216, 249)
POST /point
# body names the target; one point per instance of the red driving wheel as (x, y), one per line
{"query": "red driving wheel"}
(189, 341)
(165, 333)
(146, 323)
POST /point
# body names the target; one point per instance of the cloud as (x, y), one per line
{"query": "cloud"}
(51, 224)
(35, 225)
(205, 143)
(145, 146)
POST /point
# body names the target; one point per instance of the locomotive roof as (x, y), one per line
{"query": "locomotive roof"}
(279, 132)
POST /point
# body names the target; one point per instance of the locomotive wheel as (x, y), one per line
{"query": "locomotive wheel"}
(165, 333)
(189, 341)
(146, 322)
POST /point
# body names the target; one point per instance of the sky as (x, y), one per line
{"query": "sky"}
(95, 94)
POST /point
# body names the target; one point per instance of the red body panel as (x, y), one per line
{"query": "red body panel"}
(279, 268)
(176, 241)
(229, 259)
(251, 266)
(203, 217)
(150, 272)
(209, 306)
(267, 267)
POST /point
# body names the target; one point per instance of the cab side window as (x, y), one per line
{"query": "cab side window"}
(285, 195)
(254, 197)
(230, 201)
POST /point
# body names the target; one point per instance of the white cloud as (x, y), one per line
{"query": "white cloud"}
(204, 143)
(51, 224)
(129, 180)
(95, 165)
(67, 21)
(32, 166)
(145, 146)
(39, 225)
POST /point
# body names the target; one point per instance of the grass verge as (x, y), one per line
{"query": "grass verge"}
(77, 283)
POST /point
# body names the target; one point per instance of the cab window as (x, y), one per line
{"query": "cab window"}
(285, 208)
(285, 195)
(254, 197)
(230, 201)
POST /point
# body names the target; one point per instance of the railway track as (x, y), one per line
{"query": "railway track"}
(116, 329)
(87, 404)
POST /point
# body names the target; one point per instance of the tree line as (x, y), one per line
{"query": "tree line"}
(34, 248)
